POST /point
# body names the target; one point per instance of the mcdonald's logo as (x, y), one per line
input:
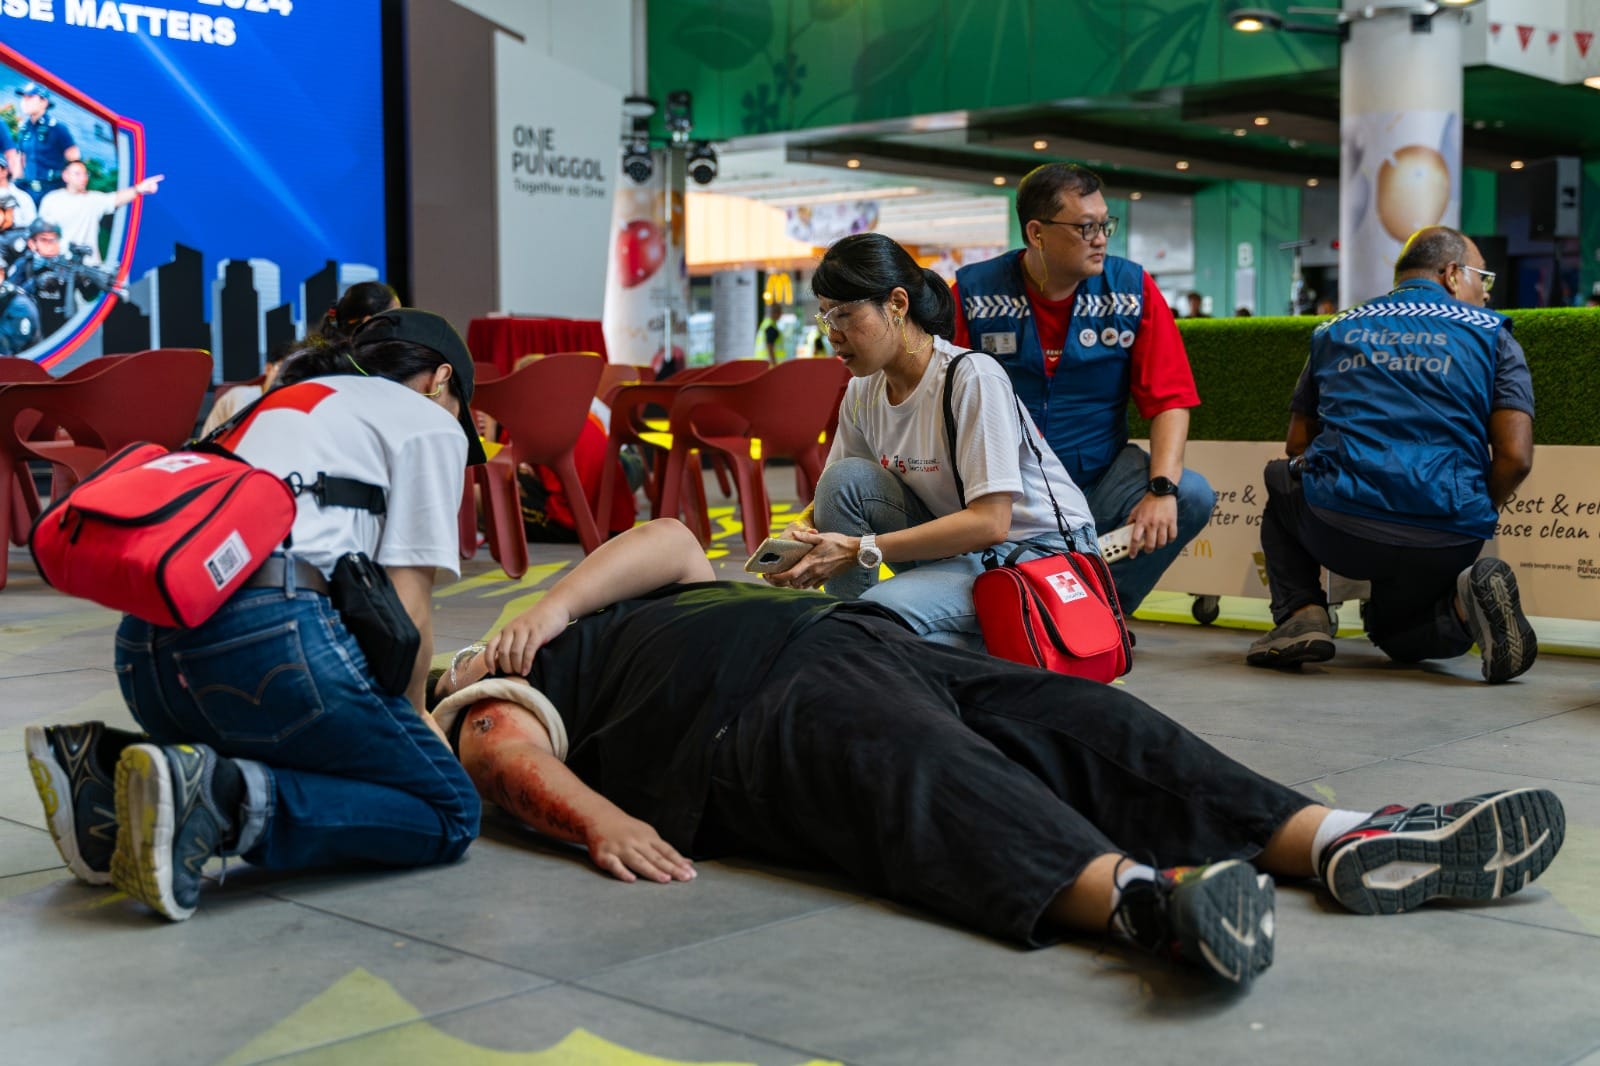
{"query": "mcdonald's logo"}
(779, 289)
(1202, 549)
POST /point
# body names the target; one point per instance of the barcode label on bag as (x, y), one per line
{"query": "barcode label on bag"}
(1067, 586)
(226, 562)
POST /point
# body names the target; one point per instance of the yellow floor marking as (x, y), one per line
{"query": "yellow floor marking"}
(360, 1002)
(1573, 876)
(1324, 791)
(497, 584)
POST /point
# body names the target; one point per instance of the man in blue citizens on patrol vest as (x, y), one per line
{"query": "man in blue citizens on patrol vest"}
(1411, 424)
(1079, 333)
(44, 146)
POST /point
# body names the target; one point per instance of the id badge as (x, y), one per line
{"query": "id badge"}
(1000, 343)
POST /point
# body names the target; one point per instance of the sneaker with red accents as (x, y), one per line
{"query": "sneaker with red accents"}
(1218, 917)
(1479, 848)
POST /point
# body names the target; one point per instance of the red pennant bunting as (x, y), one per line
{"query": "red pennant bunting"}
(1524, 35)
(1583, 37)
(1494, 30)
(1553, 40)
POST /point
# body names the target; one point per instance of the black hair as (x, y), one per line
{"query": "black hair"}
(1039, 191)
(360, 302)
(1430, 251)
(869, 266)
(389, 358)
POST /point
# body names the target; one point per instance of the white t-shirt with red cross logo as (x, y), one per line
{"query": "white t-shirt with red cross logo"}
(371, 430)
(908, 439)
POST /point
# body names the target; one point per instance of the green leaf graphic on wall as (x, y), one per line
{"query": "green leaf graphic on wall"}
(882, 77)
(738, 34)
(824, 10)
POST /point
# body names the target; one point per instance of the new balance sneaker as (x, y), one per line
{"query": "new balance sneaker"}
(1479, 848)
(1488, 593)
(171, 825)
(1218, 917)
(71, 768)
(1305, 638)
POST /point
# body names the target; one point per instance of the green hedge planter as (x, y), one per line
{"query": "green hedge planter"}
(1246, 369)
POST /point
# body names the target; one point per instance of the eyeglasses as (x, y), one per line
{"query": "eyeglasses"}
(825, 319)
(1087, 230)
(1488, 276)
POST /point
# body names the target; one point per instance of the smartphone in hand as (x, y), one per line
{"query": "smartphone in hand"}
(1116, 544)
(776, 555)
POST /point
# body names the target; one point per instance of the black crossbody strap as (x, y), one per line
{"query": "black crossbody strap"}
(950, 424)
(1022, 427)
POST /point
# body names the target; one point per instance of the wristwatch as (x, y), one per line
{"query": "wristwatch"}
(1163, 486)
(869, 557)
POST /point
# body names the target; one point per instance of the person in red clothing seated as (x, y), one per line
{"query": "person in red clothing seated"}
(1081, 332)
(547, 516)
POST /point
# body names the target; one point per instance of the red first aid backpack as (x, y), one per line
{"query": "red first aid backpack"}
(163, 536)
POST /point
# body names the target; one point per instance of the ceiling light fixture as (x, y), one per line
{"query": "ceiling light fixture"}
(1136, 196)
(1312, 183)
(1517, 164)
(998, 180)
(1593, 83)
(1240, 132)
(853, 164)
(1039, 146)
(1262, 120)
(1182, 164)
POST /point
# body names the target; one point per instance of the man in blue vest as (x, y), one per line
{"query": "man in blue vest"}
(1080, 332)
(1411, 424)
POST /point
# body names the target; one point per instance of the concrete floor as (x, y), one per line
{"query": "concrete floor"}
(524, 954)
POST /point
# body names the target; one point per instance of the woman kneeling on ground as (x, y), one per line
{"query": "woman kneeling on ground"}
(270, 735)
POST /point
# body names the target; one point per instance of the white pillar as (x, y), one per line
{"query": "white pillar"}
(1400, 131)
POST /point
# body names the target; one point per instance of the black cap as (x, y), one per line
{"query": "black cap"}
(431, 331)
(33, 88)
(43, 225)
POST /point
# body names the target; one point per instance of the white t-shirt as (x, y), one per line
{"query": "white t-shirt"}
(25, 211)
(908, 439)
(372, 430)
(78, 215)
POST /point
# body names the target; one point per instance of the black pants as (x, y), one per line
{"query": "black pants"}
(972, 786)
(1411, 614)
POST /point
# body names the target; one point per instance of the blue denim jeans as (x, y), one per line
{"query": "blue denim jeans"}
(1112, 499)
(857, 496)
(336, 769)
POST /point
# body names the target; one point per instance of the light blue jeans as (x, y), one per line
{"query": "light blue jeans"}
(1112, 499)
(857, 496)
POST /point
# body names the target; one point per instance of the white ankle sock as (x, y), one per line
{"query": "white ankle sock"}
(1335, 825)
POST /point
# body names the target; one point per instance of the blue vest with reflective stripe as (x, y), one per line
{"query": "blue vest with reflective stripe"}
(1082, 409)
(1404, 388)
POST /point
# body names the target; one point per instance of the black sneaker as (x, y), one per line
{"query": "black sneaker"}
(1479, 848)
(1218, 917)
(68, 764)
(170, 825)
(1488, 593)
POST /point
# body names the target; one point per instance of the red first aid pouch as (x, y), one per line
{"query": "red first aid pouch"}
(1058, 611)
(163, 536)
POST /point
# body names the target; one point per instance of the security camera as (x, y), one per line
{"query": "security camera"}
(679, 117)
(637, 162)
(702, 163)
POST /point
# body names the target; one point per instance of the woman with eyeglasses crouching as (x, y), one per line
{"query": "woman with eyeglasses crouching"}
(894, 491)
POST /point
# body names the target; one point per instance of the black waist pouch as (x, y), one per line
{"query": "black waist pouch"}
(371, 610)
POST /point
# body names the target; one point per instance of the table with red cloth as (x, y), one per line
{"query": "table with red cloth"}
(502, 341)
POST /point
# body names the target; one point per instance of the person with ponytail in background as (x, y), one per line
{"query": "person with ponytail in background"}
(890, 493)
(360, 302)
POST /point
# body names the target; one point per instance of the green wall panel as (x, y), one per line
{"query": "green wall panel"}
(1478, 189)
(757, 66)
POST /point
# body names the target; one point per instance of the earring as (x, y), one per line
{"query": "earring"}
(434, 395)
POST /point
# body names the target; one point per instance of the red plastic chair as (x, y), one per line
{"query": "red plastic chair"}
(781, 414)
(153, 396)
(24, 498)
(616, 375)
(543, 407)
(635, 407)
